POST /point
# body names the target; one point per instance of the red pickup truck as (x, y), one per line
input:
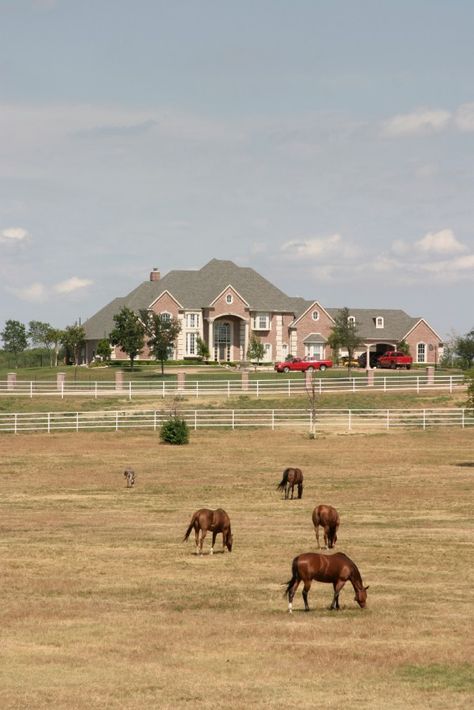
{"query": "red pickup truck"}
(394, 360)
(297, 364)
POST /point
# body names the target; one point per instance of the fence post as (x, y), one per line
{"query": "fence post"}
(181, 377)
(95, 390)
(119, 380)
(31, 389)
(450, 384)
(130, 389)
(257, 389)
(273, 420)
(462, 418)
(60, 378)
(11, 381)
(77, 421)
(370, 378)
(116, 421)
(245, 380)
(49, 422)
(233, 420)
(195, 419)
(417, 385)
(430, 375)
(16, 423)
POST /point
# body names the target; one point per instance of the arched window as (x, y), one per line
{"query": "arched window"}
(379, 322)
(229, 298)
(315, 315)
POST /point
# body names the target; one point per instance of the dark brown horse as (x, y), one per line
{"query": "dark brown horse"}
(328, 518)
(217, 521)
(333, 569)
(291, 477)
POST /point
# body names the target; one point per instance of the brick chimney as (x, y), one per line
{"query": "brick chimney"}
(155, 274)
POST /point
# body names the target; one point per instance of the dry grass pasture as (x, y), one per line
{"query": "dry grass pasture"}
(103, 605)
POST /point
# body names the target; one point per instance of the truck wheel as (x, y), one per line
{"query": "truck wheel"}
(408, 367)
(286, 369)
(322, 368)
(393, 366)
(309, 369)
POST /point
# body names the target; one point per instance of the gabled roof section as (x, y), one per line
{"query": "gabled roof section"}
(396, 323)
(100, 324)
(229, 287)
(422, 320)
(315, 338)
(162, 294)
(308, 306)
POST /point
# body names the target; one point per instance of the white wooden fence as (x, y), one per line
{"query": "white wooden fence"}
(326, 419)
(226, 388)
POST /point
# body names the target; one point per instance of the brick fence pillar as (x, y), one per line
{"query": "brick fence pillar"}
(245, 380)
(181, 377)
(119, 380)
(60, 379)
(11, 380)
(430, 375)
(370, 378)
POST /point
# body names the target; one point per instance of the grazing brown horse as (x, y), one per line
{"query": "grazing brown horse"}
(333, 569)
(129, 474)
(217, 521)
(328, 518)
(291, 477)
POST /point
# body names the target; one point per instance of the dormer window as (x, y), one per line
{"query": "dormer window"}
(351, 320)
(315, 315)
(379, 322)
(229, 298)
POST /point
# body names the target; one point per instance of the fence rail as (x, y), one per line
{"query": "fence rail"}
(325, 419)
(226, 388)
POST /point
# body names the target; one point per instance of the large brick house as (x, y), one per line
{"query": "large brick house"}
(223, 304)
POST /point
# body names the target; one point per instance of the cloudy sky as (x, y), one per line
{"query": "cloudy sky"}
(329, 145)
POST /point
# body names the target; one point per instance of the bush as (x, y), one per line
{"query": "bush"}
(175, 431)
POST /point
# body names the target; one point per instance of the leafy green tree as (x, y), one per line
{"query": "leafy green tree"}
(255, 350)
(103, 349)
(161, 334)
(174, 431)
(344, 334)
(403, 347)
(128, 334)
(464, 349)
(45, 336)
(470, 392)
(202, 349)
(73, 339)
(14, 338)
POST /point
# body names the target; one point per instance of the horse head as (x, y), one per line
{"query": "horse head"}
(229, 541)
(361, 597)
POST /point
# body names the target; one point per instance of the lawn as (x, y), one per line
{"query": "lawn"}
(104, 606)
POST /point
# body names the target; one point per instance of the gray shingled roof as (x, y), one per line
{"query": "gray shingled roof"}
(397, 323)
(195, 289)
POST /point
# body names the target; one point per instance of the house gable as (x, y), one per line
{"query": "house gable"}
(165, 303)
(229, 302)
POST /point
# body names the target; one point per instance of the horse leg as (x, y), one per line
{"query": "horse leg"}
(316, 530)
(203, 535)
(337, 588)
(214, 535)
(291, 595)
(307, 587)
(196, 534)
(292, 490)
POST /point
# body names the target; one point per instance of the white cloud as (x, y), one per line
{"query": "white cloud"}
(34, 292)
(72, 284)
(319, 247)
(442, 242)
(14, 235)
(464, 117)
(420, 122)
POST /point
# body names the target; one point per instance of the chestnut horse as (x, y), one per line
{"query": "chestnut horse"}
(217, 521)
(328, 518)
(333, 569)
(291, 477)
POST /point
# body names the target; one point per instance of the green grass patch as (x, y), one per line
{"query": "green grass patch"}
(438, 676)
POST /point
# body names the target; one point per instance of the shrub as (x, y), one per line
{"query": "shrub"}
(174, 431)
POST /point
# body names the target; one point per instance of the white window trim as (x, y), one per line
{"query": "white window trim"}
(425, 346)
(315, 315)
(379, 322)
(229, 298)
(351, 319)
(256, 325)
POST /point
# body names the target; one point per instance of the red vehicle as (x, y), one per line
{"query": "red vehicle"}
(394, 360)
(297, 364)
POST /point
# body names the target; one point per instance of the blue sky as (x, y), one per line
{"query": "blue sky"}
(329, 145)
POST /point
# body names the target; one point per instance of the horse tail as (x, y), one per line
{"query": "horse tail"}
(284, 480)
(191, 525)
(300, 489)
(294, 577)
